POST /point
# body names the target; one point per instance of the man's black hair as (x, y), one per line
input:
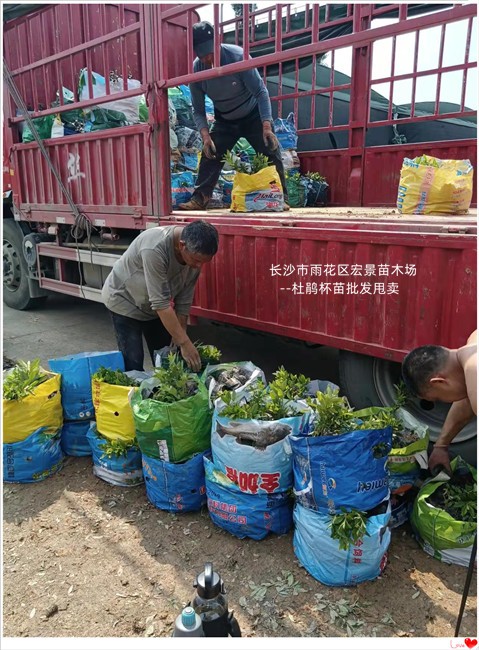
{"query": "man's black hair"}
(421, 364)
(200, 237)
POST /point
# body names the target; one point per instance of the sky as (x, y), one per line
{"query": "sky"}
(454, 47)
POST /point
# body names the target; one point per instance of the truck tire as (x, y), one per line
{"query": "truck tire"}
(16, 292)
(369, 381)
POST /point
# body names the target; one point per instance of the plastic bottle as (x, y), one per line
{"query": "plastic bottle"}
(211, 604)
(188, 623)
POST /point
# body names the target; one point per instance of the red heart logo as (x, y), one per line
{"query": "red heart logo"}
(470, 642)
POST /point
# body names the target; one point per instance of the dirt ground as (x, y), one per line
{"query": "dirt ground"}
(83, 558)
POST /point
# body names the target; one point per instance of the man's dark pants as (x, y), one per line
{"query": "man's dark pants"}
(225, 135)
(129, 335)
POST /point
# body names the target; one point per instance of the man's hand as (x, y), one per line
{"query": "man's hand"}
(209, 148)
(440, 456)
(269, 138)
(191, 356)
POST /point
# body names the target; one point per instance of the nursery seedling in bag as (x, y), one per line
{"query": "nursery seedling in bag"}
(114, 377)
(23, 380)
(208, 353)
(348, 527)
(333, 414)
(176, 383)
(115, 448)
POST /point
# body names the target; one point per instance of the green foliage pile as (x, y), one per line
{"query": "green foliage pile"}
(115, 448)
(315, 176)
(258, 162)
(114, 377)
(460, 501)
(348, 527)
(268, 403)
(176, 383)
(208, 353)
(23, 379)
(333, 414)
(426, 160)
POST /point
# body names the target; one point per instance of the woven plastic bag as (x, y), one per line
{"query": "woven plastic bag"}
(40, 410)
(430, 185)
(172, 432)
(441, 535)
(260, 192)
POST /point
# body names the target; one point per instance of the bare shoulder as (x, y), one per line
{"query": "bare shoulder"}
(472, 338)
(470, 371)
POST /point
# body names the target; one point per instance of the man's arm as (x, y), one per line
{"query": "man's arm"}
(174, 326)
(459, 415)
(155, 270)
(253, 82)
(183, 319)
(198, 103)
(199, 114)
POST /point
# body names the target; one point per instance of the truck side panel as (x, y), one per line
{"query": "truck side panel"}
(250, 284)
(381, 163)
(108, 174)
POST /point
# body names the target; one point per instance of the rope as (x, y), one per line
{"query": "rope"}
(82, 225)
(82, 222)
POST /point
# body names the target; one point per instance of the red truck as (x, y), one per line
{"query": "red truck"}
(357, 275)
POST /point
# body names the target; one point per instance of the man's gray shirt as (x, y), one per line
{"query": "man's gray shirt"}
(235, 95)
(148, 277)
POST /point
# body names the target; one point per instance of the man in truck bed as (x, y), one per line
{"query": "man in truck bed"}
(242, 110)
(433, 372)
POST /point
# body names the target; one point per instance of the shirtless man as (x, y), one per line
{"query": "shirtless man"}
(433, 373)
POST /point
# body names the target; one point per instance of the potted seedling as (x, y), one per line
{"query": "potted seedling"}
(23, 379)
(256, 185)
(338, 464)
(444, 515)
(251, 432)
(171, 413)
(317, 189)
(31, 400)
(32, 421)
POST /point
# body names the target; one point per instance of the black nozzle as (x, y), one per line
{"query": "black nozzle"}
(208, 583)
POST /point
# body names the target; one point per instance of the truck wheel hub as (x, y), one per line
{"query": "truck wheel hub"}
(12, 274)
